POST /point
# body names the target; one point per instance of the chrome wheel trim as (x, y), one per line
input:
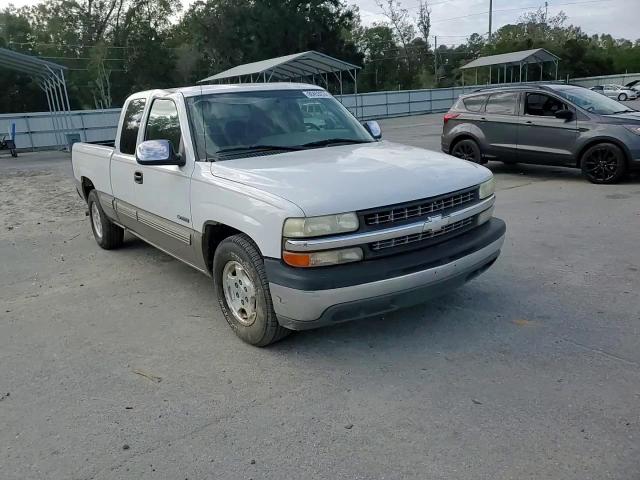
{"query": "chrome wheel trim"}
(96, 220)
(240, 293)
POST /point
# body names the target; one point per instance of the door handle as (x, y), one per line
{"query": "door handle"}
(483, 118)
(137, 177)
(528, 122)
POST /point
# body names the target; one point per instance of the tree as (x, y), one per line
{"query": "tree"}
(424, 21)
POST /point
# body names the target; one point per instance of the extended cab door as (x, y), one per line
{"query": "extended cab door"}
(500, 125)
(163, 191)
(124, 165)
(543, 138)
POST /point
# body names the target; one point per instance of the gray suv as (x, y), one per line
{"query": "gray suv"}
(546, 124)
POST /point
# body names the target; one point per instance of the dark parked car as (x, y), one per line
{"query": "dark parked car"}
(546, 124)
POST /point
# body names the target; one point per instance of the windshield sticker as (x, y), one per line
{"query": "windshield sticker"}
(316, 94)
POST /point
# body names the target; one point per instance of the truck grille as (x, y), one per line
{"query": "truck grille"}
(417, 237)
(419, 209)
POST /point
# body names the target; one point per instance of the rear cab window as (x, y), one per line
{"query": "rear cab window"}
(504, 103)
(131, 125)
(475, 103)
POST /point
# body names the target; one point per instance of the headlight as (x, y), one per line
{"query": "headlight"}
(317, 226)
(633, 128)
(324, 258)
(487, 188)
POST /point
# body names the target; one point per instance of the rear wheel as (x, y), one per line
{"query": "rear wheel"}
(622, 97)
(467, 149)
(603, 163)
(107, 234)
(243, 292)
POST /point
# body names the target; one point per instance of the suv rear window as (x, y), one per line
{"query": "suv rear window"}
(475, 103)
(502, 103)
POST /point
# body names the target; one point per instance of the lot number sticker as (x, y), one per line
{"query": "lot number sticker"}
(316, 94)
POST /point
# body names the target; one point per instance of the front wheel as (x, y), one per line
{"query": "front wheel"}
(603, 163)
(467, 149)
(622, 97)
(243, 292)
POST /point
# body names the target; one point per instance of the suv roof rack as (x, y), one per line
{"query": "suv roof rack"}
(516, 86)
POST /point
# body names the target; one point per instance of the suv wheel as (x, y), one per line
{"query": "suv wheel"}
(467, 149)
(603, 163)
(622, 97)
(243, 292)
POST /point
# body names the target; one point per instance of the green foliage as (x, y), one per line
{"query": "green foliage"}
(115, 47)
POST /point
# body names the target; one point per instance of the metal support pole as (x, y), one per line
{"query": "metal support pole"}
(476, 75)
(340, 82)
(490, 15)
(520, 80)
(490, 74)
(54, 119)
(541, 72)
(26, 122)
(556, 62)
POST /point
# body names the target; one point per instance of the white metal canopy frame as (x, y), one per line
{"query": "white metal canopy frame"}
(504, 61)
(50, 78)
(305, 66)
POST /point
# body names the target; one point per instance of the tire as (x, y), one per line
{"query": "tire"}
(467, 149)
(622, 97)
(603, 163)
(107, 234)
(252, 318)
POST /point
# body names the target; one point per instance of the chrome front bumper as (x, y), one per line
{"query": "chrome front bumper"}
(300, 309)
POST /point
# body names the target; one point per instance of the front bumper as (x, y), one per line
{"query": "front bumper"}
(464, 259)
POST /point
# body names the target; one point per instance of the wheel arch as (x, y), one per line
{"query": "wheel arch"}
(86, 185)
(213, 233)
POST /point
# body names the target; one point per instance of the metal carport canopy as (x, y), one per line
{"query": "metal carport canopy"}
(537, 55)
(289, 67)
(50, 77)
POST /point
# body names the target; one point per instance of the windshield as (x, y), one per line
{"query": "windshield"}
(277, 120)
(592, 101)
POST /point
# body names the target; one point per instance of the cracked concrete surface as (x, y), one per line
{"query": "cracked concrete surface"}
(530, 371)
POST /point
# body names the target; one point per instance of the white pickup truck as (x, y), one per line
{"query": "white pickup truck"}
(300, 221)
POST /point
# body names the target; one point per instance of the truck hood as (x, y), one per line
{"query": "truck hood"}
(347, 178)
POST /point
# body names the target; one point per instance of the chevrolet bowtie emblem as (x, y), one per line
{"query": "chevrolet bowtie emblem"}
(435, 223)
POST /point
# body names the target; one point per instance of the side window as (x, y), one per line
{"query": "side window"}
(502, 103)
(163, 123)
(131, 125)
(542, 105)
(474, 104)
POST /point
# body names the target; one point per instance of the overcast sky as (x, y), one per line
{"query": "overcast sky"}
(621, 18)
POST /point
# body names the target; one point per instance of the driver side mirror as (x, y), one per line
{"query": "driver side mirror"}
(564, 114)
(374, 129)
(158, 152)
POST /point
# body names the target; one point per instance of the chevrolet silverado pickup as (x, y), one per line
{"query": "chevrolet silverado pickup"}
(302, 215)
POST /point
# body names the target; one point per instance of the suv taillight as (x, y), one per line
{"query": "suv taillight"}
(450, 116)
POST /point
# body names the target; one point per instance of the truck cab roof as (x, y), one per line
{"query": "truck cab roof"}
(196, 90)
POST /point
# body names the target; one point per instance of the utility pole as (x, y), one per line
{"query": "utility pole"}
(490, 15)
(435, 58)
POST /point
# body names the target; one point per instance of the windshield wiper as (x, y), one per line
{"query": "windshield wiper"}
(332, 141)
(258, 147)
(622, 111)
